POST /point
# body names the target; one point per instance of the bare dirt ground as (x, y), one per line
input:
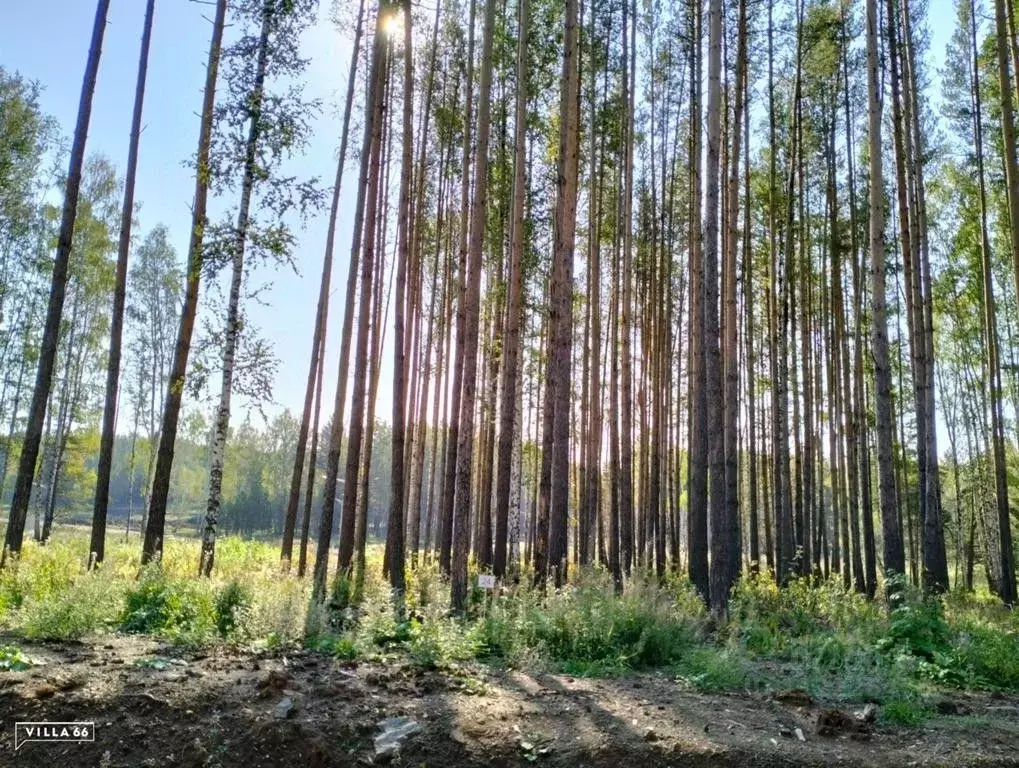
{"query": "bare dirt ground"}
(153, 707)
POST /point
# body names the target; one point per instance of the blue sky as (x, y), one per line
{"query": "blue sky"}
(47, 40)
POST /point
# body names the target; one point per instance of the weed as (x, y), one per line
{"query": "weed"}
(909, 712)
(231, 601)
(713, 669)
(12, 659)
(180, 609)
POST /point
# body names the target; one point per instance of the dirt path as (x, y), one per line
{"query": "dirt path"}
(152, 708)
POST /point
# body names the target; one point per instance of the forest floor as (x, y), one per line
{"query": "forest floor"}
(155, 705)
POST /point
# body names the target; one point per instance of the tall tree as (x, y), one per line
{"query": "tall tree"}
(275, 126)
(395, 527)
(508, 415)
(725, 530)
(561, 317)
(472, 322)
(152, 545)
(371, 137)
(363, 361)
(102, 495)
(314, 382)
(697, 525)
(1002, 577)
(894, 554)
(58, 286)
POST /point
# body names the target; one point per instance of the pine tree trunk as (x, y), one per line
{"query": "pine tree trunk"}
(314, 383)
(453, 431)
(894, 555)
(723, 570)
(356, 435)
(697, 525)
(369, 145)
(471, 327)
(508, 417)
(55, 309)
(1002, 582)
(395, 526)
(105, 464)
(417, 470)
(309, 491)
(160, 489)
(728, 533)
(562, 300)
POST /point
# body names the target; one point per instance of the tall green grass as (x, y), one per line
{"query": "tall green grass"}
(46, 593)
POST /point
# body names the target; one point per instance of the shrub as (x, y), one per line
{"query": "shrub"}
(231, 601)
(918, 628)
(992, 655)
(38, 573)
(276, 615)
(180, 609)
(438, 642)
(767, 619)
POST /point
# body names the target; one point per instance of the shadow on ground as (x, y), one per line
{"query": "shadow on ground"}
(153, 708)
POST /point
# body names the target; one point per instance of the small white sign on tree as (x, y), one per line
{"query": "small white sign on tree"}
(486, 581)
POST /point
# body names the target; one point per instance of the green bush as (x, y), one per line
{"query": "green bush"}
(437, 642)
(231, 601)
(966, 652)
(180, 609)
(276, 616)
(919, 629)
(768, 619)
(38, 573)
(990, 654)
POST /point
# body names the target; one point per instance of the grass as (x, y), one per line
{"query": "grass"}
(819, 637)
(46, 594)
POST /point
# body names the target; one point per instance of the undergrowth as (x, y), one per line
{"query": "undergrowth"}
(46, 594)
(818, 636)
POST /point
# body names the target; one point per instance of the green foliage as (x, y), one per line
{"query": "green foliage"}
(12, 659)
(39, 573)
(230, 602)
(768, 620)
(989, 655)
(919, 629)
(582, 629)
(179, 609)
(909, 712)
(816, 636)
(89, 604)
(967, 645)
(587, 629)
(712, 669)
(823, 638)
(275, 617)
(439, 642)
